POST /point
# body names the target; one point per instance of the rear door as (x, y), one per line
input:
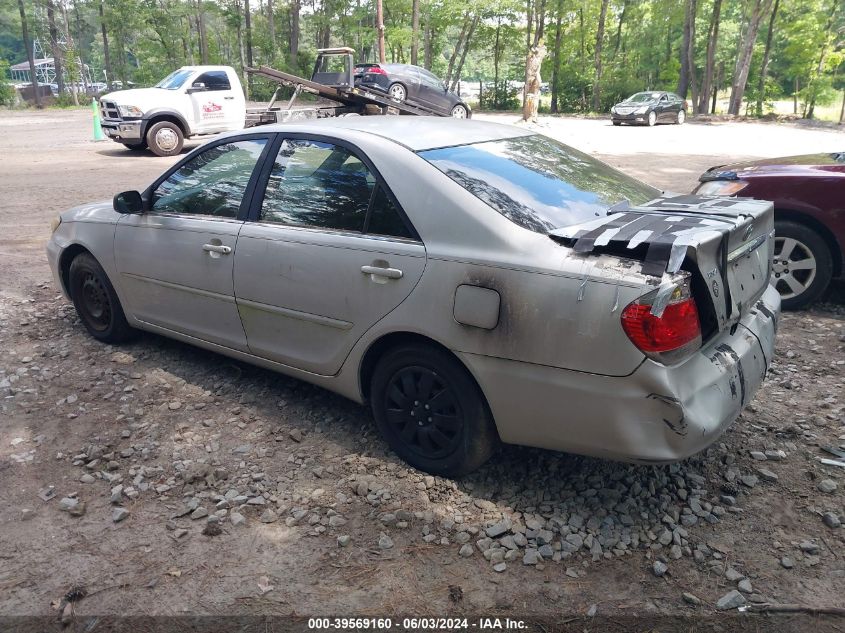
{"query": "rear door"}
(175, 262)
(329, 254)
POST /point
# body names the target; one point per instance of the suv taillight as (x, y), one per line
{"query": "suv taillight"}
(664, 323)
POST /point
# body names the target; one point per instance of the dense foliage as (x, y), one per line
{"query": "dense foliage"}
(597, 51)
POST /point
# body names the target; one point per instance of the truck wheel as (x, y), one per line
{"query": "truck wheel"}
(136, 146)
(802, 265)
(165, 139)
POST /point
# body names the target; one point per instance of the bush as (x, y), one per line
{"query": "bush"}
(500, 97)
(7, 91)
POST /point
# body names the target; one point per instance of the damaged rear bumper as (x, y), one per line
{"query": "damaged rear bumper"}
(656, 414)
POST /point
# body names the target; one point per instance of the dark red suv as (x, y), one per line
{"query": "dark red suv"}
(809, 197)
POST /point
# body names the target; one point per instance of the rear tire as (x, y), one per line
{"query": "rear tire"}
(803, 265)
(165, 139)
(397, 92)
(431, 412)
(96, 301)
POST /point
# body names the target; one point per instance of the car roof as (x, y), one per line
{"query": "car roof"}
(417, 133)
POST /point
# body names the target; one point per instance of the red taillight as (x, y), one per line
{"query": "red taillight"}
(668, 333)
(376, 70)
(677, 326)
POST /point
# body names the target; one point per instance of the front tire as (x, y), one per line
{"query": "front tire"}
(96, 301)
(617, 123)
(397, 92)
(682, 116)
(802, 266)
(165, 139)
(431, 411)
(651, 119)
(460, 111)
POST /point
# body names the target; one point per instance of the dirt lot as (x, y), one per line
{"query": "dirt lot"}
(140, 444)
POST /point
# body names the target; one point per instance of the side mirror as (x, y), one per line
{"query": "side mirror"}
(128, 202)
(197, 87)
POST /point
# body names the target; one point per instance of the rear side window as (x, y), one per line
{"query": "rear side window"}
(214, 80)
(536, 182)
(212, 183)
(322, 185)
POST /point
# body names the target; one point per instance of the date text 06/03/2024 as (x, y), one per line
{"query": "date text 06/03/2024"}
(416, 624)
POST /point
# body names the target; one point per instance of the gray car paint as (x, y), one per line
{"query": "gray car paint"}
(556, 368)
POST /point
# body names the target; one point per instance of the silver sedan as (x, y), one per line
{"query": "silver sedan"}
(473, 282)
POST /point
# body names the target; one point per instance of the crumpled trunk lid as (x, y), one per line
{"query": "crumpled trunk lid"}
(727, 243)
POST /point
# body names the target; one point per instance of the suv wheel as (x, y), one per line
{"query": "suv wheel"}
(165, 139)
(96, 301)
(431, 411)
(802, 265)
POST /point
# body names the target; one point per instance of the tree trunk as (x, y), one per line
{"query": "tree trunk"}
(271, 28)
(497, 54)
(710, 61)
(618, 27)
(201, 32)
(295, 7)
(29, 56)
(415, 31)
(764, 67)
(693, 82)
(55, 48)
(380, 29)
(597, 57)
(556, 55)
(746, 50)
(531, 105)
(106, 60)
(812, 85)
(248, 27)
(427, 45)
(687, 73)
(456, 51)
(457, 75)
(842, 109)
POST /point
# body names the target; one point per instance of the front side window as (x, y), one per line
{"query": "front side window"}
(536, 182)
(214, 80)
(212, 183)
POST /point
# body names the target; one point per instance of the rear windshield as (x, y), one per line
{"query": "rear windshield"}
(536, 182)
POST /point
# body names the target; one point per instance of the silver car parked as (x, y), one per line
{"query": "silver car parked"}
(473, 282)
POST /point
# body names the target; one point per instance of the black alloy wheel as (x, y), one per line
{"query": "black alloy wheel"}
(431, 411)
(424, 412)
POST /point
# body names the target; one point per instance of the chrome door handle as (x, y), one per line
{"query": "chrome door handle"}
(216, 248)
(390, 273)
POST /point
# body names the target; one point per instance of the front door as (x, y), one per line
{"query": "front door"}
(217, 106)
(330, 254)
(433, 91)
(175, 262)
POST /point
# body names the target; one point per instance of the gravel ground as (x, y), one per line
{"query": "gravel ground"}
(167, 480)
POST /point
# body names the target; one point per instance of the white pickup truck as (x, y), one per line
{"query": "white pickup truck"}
(190, 101)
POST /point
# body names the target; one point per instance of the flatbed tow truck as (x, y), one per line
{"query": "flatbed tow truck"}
(327, 83)
(197, 101)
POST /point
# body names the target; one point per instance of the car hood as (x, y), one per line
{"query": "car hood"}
(636, 104)
(825, 162)
(144, 98)
(102, 211)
